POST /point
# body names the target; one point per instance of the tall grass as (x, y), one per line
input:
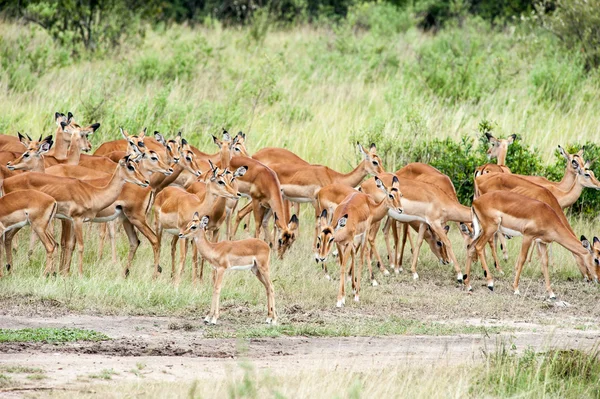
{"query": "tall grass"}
(312, 90)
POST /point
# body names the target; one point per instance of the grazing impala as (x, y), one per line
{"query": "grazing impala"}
(353, 219)
(28, 207)
(78, 201)
(249, 254)
(515, 214)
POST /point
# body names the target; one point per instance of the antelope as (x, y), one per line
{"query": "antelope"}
(228, 147)
(249, 254)
(262, 185)
(429, 205)
(329, 198)
(516, 214)
(498, 149)
(174, 208)
(352, 219)
(78, 201)
(28, 207)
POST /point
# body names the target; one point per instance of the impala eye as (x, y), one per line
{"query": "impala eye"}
(439, 243)
(194, 227)
(26, 155)
(131, 168)
(318, 245)
(390, 196)
(221, 182)
(141, 144)
(331, 239)
(188, 159)
(375, 163)
(154, 158)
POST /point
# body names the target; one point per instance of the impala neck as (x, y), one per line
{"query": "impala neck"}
(568, 178)
(568, 198)
(502, 157)
(458, 213)
(108, 194)
(159, 181)
(61, 147)
(352, 179)
(6, 173)
(568, 240)
(74, 153)
(378, 210)
(205, 247)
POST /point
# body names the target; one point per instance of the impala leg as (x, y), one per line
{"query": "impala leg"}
(441, 233)
(2, 238)
(101, 240)
(388, 245)
(32, 240)
(360, 266)
(416, 251)
(262, 273)
(173, 250)
(111, 236)
(520, 261)
(139, 221)
(69, 246)
(543, 249)
(258, 211)
(265, 225)
(477, 249)
(50, 246)
(343, 254)
(134, 243)
(242, 213)
(78, 227)
(195, 263)
(228, 214)
(214, 308)
(400, 254)
(8, 240)
(503, 246)
(352, 268)
(182, 255)
(494, 250)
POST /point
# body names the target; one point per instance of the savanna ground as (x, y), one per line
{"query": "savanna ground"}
(315, 91)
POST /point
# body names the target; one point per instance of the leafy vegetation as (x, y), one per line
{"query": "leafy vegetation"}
(50, 335)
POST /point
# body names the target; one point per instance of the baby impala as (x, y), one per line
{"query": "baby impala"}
(250, 254)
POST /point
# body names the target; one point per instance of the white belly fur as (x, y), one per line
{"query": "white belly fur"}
(510, 232)
(404, 218)
(242, 267)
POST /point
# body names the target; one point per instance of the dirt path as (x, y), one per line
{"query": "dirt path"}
(151, 348)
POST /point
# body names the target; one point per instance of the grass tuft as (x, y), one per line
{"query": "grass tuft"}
(50, 335)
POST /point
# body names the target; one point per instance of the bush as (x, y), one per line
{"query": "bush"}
(380, 18)
(576, 23)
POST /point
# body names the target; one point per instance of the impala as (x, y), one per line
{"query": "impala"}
(515, 214)
(329, 198)
(352, 219)
(28, 207)
(78, 201)
(249, 254)
(428, 204)
(174, 208)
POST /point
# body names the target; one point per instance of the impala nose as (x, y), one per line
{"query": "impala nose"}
(180, 235)
(175, 160)
(147, 182)
(239, 195)
(400, 210)
(170, 170)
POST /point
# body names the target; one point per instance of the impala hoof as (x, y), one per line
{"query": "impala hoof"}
(460, 278)
(207, 319)
(415, 276)
(552, 296)
(517, 292)
(126, 273)
(271, 321)
(356, 299)
(374, 283)
(470, 289)
(327, 277)
(386, 272)
(159, 269)
(398, 270)
(491, 286)
(340, 303)
(8, 267)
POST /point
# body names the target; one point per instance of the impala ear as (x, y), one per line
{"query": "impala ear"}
(24, 140)
(379, 184)
(226, 136)
(178, 137)
(596, 241)
(160, 138)
(362, 150)
(218, 142)
(562, 152)
(204, 221)
(342, 222)
(183, 141)
(69, 116)
(490, 137)
(143, 133)
(241, 171)
(45, 145)
(465, 230)
(94, 127)
(241, 135)
(372, 149)
(196, 217)
(586, 244)
(123, 133)
(576, 166)
(512, 138)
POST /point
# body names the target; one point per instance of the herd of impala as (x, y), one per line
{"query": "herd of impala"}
(189, 193)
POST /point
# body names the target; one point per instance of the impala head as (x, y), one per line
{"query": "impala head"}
(499, 147)
(80, 134)
(229, 147)
(172, 147)
(468, 235)
(239, 148)
(223, 183)
(372, 162)
(586, 176)
(33, 154)
(575, 161)
(134, 140)
(131, 171)
(60, 117)
(195, 226)
(393, 195)
(151, 161)
(287, 235)
(437, 246)
(188, 159)
(593, 261)
(325, 240)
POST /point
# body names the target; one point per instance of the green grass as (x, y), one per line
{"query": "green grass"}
(21, 369)
(50, 335)
(105, 374)
(37, 377)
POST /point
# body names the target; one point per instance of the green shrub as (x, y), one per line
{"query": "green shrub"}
(381, 18)
(556, 79)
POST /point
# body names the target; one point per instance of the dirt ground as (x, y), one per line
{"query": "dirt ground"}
(158, 349)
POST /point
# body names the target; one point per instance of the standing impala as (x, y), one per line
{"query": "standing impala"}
(515, 214)
(78, 201)
(249, 254)
(351, 222)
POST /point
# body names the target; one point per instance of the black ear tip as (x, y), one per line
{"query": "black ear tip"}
(373, 145)
(183, 141)
(69, 114)
(294, 219)
(56, 115)
(323, 214)
(345, 216)
(95, 126)
(156, 132)
(583, 238)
